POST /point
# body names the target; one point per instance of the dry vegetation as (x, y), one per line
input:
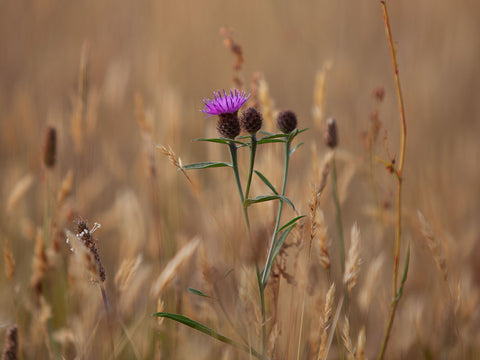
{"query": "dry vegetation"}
(89, 89)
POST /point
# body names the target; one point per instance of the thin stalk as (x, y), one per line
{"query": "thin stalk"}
(253, 150)
(109, 321)
(339, 213)
(233, 155)
(396, 294)
(264, 325)
(262, 306)
(265, 276)
(225, 313)
(394, 305)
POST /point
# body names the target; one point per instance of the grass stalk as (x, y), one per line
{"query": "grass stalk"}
(396, 294)
(109, 320)
(338, 213)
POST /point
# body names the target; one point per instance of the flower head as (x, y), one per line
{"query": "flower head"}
(251, 121)
(226, 103)
(287, 121)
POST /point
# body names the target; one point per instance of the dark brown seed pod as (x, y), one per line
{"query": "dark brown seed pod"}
(251, 121)
(287, 121)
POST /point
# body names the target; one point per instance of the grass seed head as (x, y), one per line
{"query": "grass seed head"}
(352, 266)
(331, 133)
(50, 147)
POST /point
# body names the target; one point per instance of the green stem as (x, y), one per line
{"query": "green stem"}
(266, 275)
(253, 150)
(233, 155)
(339, 213)
(339, 223)
(262, 306)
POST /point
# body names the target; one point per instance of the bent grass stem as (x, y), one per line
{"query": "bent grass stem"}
(396, 293)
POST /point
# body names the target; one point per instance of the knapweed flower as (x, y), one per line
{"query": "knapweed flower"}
(287, 121)
(251, 121)
(226, 106)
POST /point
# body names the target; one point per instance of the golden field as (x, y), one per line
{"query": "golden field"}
(119, 79)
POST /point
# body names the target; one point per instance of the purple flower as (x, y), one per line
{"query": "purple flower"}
(226, 103)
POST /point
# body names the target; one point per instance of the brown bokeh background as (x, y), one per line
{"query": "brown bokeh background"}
(171, 54)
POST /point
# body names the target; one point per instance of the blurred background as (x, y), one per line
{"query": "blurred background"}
(95, 69)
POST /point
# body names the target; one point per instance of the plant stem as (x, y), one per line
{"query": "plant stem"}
(339, 213)
(396, 294)
(262, 306)
(253, 150)
(109, 321)
(266, 275)
(233, 155)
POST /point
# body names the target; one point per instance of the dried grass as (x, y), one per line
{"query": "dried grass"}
(170, 271)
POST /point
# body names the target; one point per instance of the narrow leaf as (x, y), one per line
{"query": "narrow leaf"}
(405, 273)
(267, 141)
(266, 181)
(228, 273)
(206, 330)
(221, 141)
(263, 198)
(278, 245)
(293, 221)
(292, 150)
(199, 293)
(205, 165)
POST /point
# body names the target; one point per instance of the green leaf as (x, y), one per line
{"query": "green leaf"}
(228, 273)
(221, 141)
(199, 293)
(206, 330)
(266, 181)
(294, 133)
(244, 137)
(293, 221)
(267, 141)
(265, 132)
(205, 165)
(404, 277)
(278, 245)
(292, 150)
(281, 240)
(263, 198)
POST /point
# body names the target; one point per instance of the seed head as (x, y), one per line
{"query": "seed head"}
(331, 134)
(251, 121)
(287, 121)
(50, 147)
(228, 125)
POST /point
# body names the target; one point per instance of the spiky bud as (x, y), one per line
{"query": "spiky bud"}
(287, 121)
(251, 121)
(331, 134)
(228, 125)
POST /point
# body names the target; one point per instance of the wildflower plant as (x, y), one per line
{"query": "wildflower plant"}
(226, 106)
